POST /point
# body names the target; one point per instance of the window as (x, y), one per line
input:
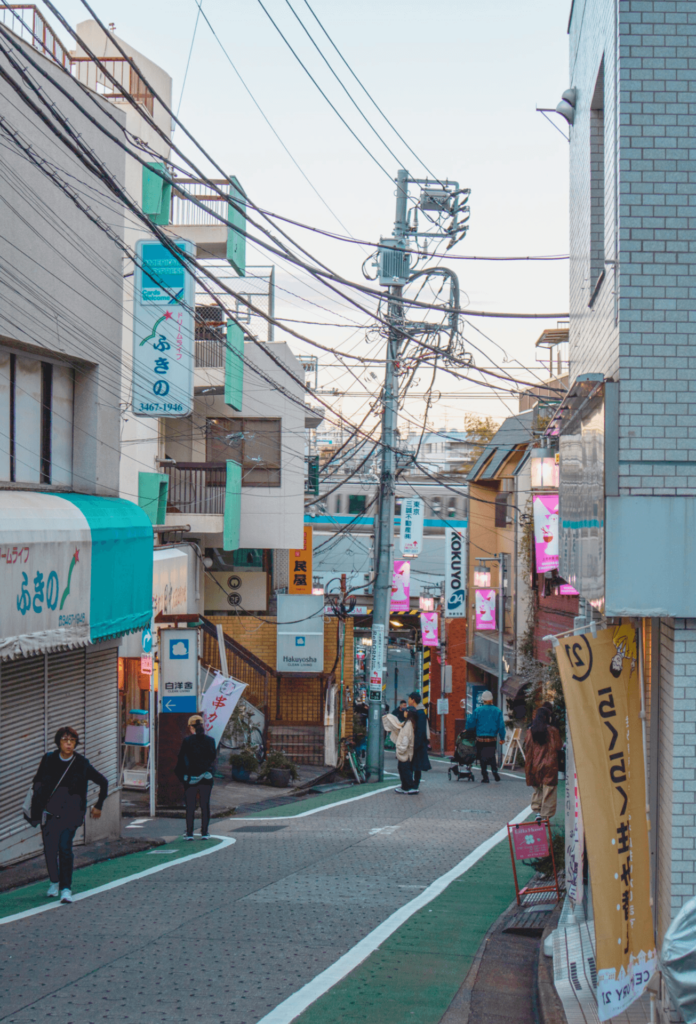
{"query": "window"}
(397, 506)
(36, 421)
(338, 504)
(597, 186)
(436, 505)
(452, 507)
(356, 504)
(255, 444)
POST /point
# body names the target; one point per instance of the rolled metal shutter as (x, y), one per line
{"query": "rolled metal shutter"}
(66, 693)
(22, 738)
(102, 729)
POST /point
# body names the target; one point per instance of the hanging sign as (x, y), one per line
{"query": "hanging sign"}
(145, 664)
(411, 532)
(401, 587)
(377, 658)
(300, 638)
(301, 566)
(545, 508)
(602, 694)
(178, 688)
(163, 331)
(429, 629)
(455, 573)
(485, 609)
(574, 832)
(218, 703)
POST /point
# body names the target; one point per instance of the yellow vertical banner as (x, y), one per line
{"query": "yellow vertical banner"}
(301, 566)
(602, 694)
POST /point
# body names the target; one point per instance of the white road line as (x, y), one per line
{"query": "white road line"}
(315, 810)
(297, 1003)
(225, 841)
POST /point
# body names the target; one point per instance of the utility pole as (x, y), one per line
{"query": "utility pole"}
(501, 626)
(384, 520)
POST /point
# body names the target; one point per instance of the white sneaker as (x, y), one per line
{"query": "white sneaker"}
(398, 789)
(205, 836)
(66, 896)
(53, 889)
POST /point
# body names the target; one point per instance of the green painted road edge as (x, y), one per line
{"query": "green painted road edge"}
(321, 800)
(416, 973)
(109, 874)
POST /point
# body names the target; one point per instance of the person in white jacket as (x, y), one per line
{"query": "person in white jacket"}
(404, 753)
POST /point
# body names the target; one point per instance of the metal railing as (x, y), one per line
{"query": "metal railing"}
(485, 652)
(190, 214)
(196, 488)
(211, 336)
(26, 21)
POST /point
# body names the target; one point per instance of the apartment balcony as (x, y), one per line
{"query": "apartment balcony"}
(199, 496)
(485, 654)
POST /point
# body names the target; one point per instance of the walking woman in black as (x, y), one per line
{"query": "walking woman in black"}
(194, 770)
(59, 802)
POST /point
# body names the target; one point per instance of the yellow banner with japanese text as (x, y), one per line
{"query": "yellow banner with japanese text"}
(301, 566)
(602, 693)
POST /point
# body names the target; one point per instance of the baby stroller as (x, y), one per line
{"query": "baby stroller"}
(464, 757)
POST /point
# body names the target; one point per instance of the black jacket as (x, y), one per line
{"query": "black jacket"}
(420, 742)
(197, 755)
(79, 774)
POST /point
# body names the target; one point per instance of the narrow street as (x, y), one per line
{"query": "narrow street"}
(230, 936)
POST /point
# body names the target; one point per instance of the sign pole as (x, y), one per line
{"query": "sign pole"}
(222, 650)
(153, 745)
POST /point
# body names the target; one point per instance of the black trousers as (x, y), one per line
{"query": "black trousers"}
(58, 851)
(486, 753)
(416, 777)
(405, 774)
(201, 790)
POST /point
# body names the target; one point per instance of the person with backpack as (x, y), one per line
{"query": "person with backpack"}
(541, 746)
(194, 770)
(59, 802)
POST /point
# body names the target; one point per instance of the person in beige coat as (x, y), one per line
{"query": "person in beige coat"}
(404, 752)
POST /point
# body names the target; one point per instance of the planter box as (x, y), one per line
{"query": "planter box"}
(280, 777)
(137, 735)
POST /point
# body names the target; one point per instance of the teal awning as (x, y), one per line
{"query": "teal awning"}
(122, 554)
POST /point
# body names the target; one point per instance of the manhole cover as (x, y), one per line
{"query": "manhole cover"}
(260, 828)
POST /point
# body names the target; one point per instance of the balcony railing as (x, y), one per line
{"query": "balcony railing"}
(196, 488)
(26, 21)
(190, 214)
(485, 653)
(211, 338)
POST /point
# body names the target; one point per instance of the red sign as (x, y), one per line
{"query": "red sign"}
(146, 664)
(530, 841)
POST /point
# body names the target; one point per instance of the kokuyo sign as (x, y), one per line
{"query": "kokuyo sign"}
(455, 573)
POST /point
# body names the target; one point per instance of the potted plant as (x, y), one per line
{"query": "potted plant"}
(278, 769)
(243, 765)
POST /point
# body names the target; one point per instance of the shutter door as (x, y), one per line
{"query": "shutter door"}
(102, 728)
(66, 693)
(21, 737)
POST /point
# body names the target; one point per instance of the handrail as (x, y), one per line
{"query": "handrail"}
(242, 652)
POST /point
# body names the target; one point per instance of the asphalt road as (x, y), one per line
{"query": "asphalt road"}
(225, 938)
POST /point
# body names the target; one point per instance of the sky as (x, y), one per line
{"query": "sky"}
(459, 80)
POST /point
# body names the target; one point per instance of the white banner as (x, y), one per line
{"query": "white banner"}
(411, 532)
(455, 573)
(219, 701)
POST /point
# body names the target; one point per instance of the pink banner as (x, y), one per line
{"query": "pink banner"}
(429, 629)
(545, 508)
(567, 590)
(530, 841)
(401, 587)
(485, 609)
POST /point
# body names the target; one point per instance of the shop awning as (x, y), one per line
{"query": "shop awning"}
(512, 686)
(76, 568)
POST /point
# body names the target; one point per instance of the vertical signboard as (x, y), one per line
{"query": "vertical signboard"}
(485, 609)
(401, 587)
(602, 693)
(411, 531)
(301, 566)
(455, 573)
(429, 629)
(378, 658)
(545, 507)
(178, 670)
(300, 640)
(163, 315)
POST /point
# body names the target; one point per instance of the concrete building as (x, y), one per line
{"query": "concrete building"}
(627, 429)
(77, 559)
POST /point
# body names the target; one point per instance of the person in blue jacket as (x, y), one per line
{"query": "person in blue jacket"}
(489, 724)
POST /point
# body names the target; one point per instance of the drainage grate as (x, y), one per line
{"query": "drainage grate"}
(260, 828)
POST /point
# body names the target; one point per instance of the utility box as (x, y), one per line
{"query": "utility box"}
(446, 671)
(394, 262)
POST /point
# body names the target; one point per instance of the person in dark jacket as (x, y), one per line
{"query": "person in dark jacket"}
(59, 802)
(420, 762)
(400, 712)
(194, 771)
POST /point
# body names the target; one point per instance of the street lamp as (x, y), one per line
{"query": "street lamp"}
(544, 468)
(482, 576)
(427, 604)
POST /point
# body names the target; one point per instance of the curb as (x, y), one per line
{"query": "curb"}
(549, 1003)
